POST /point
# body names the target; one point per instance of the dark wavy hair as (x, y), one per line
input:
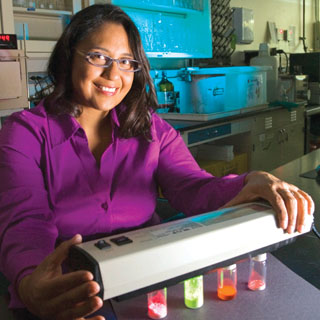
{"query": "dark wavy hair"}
(140, 101)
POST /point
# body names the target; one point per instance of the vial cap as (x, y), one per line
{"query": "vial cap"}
(260, 257)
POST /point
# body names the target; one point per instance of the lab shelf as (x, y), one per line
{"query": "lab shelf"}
(43, 12)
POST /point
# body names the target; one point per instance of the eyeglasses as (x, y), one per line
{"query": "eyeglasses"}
(101, 60)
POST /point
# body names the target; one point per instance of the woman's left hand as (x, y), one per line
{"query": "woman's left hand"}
(293, 206)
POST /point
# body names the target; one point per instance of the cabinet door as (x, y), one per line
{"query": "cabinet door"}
(170, 28)
(39, 21)
(266, 151)
(276, 147)
(294, 142)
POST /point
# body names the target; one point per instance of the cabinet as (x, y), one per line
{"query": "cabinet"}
(43, 22)
(172, 28)
(168, 28)
(277, 137)
(268, 137)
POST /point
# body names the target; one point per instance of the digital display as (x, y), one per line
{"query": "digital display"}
(8, 41)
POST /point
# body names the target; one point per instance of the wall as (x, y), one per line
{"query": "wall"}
(284, 13)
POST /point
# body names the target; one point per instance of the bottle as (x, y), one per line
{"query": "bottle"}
(32, 5)
(157, 304)
(51, 4)
(257, 273)
(165, 94)
(193, 292)
(264, 59)
(227, 282)
(41, 4)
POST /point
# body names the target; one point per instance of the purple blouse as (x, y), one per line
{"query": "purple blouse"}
(52, 187)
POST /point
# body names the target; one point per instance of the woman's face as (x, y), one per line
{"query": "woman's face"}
(97, 87)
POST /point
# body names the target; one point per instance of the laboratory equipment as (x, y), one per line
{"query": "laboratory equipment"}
(152, 258)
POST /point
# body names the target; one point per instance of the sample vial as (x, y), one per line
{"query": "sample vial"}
(157, 304)
(257, 273)
(193, 292)
(227, 282)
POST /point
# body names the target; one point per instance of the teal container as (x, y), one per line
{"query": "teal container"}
(193, 292)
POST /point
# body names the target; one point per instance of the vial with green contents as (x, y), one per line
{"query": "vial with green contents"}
(193, 292)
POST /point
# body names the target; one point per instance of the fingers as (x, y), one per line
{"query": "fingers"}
(97, 318)
(77, 302)
(292, 200)
(309, 201)
(65, 282)
(66, 296)
(82, 309)
(61, 252)
(76, 295)
(295, 207)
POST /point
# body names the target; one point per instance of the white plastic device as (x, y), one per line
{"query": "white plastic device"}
(143, 260)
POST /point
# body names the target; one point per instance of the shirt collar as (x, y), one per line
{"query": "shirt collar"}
(114, 114)
(63, 127)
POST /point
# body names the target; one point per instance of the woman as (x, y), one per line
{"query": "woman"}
(89, 160)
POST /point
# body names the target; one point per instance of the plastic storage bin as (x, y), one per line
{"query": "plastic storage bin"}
(245, 86)
(208, 93)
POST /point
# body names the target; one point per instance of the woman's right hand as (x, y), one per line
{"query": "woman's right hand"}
(51, 295)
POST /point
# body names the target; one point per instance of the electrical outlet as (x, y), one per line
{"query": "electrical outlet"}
(280, 34)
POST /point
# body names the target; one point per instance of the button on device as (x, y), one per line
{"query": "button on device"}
(102, 244)
(119, 241)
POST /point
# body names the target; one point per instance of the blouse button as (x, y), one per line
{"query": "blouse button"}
(104, 206)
